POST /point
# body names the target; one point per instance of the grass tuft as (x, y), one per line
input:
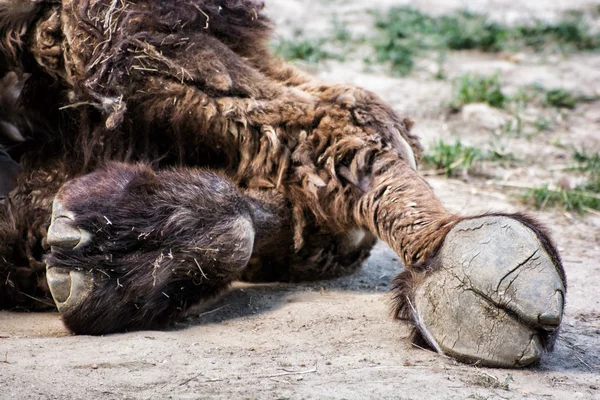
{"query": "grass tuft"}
(308, 50)
(572, 32)
(542, 124)
(466, 30)
(341, 33)
(404, 33)
(580, 198)
(477, 89)
(588, 163)
(560, 98)
(452, 159)
(569, 199)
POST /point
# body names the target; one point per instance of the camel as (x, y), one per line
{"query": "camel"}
(158, 151)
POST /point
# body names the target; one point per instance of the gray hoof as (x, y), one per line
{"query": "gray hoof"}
(68, 287)
(497, 297)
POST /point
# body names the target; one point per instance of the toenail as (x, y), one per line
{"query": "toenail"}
(532, 353)
(62, 233)
(59, 281)
(68, 287)
(552, 317)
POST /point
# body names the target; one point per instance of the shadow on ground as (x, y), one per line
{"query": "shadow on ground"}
(247, 299)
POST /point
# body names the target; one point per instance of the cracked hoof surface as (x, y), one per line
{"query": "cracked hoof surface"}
(68, 287)
(497, 298)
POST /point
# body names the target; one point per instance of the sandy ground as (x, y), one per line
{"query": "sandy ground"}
(335, 339)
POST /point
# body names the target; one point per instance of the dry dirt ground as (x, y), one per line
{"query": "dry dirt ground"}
(335, 339)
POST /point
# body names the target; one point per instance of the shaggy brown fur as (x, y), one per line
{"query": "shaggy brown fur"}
(191, 83)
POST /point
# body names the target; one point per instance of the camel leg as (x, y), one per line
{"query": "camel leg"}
(352, 167)
(487, 289)
(132, 248)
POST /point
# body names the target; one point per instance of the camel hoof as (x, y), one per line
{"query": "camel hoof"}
(497, 298)
(63, 232)
(68, 287)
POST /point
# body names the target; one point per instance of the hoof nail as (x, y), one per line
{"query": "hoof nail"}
(552, 318)
(68, 287)
(532, 353)
(549, 319)
(63, 232)
(59, 281)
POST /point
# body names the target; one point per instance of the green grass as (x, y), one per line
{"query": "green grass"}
(576, 199)
(456, 159)
(560, 98)
(313, 50)
(404, 33)
(588, 162)
(452, 159)
(308, 50)
(555, 97)
(400, 56)
(440, 73)
(514, 127)
(470, 88)
(478, 89)
(542, 124)
(465, 30)
(579, 198)
(570, 33)
(341, 33)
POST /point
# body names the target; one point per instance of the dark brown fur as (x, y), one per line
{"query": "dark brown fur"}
(180, 85)
(150, 257)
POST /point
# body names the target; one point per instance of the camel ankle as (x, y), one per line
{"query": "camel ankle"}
(401, 209)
